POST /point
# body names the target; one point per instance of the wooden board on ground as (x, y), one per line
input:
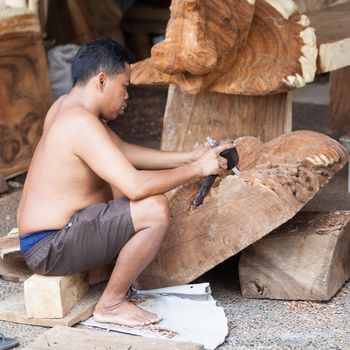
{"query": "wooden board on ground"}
(308, 258)
(64, 338)
(332, 27)
(14, 270)
(13, 309)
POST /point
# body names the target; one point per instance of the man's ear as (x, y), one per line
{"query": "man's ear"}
(101, 81)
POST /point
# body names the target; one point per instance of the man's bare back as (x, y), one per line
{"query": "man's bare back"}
(60, 182)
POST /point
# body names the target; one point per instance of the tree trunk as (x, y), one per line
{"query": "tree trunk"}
(276, 180)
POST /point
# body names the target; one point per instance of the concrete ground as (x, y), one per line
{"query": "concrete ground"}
(253, 324)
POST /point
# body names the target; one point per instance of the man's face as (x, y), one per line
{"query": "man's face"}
(115, 94)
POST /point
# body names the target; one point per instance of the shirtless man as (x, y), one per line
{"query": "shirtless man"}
(90, 198)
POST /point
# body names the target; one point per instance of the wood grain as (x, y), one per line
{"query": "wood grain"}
(25, 92)
(59, 338)
(276, 180)
(222, 116)
(233, 47)
(13, 309)
(340, 101)
(314, 5)
(308, 258)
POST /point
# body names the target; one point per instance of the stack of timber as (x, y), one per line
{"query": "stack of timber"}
(277, 179)
(25, 92)
(216, 52)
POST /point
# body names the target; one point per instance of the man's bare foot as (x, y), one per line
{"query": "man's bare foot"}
(126, 314)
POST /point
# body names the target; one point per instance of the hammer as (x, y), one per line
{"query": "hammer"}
(232, 160)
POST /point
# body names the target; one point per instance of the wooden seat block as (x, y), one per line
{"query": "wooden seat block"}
(53, 296)
(308, 258)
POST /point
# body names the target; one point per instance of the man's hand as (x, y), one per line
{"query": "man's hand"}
(211, 163)
(204, 148)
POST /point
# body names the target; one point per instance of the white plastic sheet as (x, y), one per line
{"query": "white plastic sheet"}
(190, 314)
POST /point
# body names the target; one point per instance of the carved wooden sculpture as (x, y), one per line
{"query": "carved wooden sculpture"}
(276, 180)
(25, 92)
(215, 49)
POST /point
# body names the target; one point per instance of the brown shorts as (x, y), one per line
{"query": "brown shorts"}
(93, 238)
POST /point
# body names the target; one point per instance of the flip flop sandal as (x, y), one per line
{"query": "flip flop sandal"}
(7, 342)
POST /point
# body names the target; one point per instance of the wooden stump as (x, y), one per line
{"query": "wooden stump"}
(308, 258)
(276, 180)
(222, 116)
(25, 92)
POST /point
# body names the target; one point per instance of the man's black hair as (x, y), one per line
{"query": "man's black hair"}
(99, 55)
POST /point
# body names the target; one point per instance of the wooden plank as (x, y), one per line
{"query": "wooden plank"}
(64, 338)
(3, 184)
(222, 116)
(13, 309)
(340, 101)
(332, 27)
(53, 296)
(308, 258)
(14, 270)
(25, 91)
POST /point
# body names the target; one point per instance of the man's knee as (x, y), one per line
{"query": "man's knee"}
(158, 207)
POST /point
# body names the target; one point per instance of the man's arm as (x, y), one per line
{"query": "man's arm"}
(94, 146)
(152, 159)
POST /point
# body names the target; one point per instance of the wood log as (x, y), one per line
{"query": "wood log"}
(276, 180)
(25, 92)
(53, 296)
(234, 48)
(308, 258)
(340, 102)
(332, 28)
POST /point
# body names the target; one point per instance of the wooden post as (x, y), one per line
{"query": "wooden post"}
(340, 101)
(222, 116)
(308, 258)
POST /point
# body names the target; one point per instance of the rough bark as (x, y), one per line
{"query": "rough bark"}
(276, 180)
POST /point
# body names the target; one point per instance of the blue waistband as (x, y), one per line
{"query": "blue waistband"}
(29, 240)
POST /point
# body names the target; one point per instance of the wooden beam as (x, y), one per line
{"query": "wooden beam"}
(59, 338)
(340, 101)
(53, 296)
(12, 309)
(308, 258)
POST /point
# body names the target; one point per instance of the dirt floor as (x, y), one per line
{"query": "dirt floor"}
(253, 324)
